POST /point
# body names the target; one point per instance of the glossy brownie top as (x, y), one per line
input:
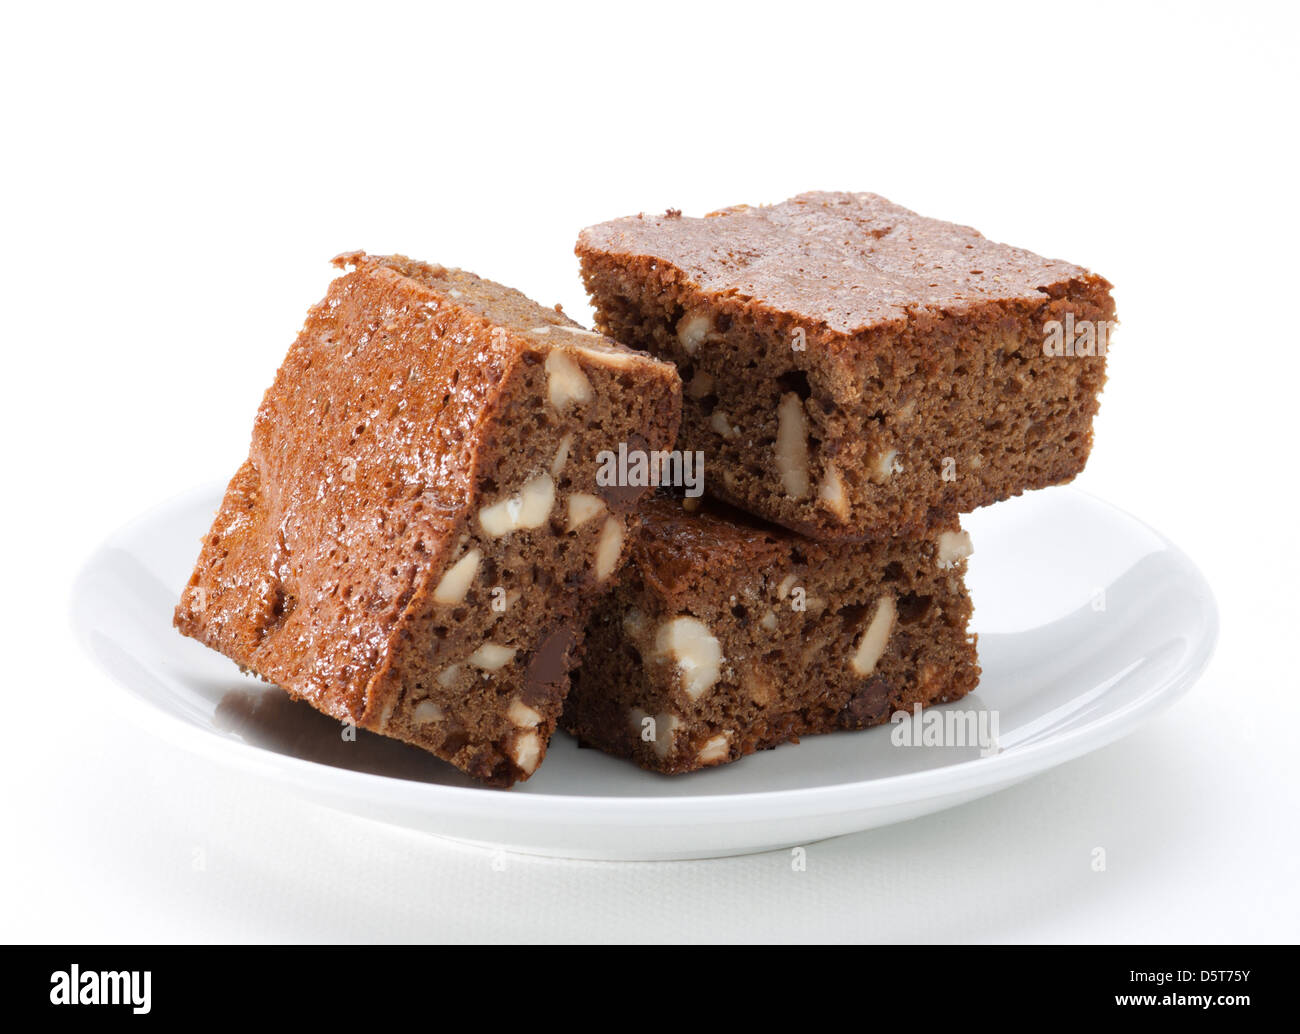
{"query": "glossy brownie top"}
(848, 261)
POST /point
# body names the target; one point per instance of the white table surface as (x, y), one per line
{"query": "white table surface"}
(174, 187)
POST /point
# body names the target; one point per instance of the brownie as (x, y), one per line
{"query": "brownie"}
(853, 369)
(417, 535)
(726, 635)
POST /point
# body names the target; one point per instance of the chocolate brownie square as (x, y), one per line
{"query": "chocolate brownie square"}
(853, 369)
(416, 537)
(726, 636)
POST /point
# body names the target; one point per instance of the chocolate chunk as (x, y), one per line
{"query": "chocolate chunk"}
(869, 703)
(620, 496)
(548, 668)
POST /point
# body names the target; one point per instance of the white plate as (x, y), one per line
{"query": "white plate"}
(1089, 622)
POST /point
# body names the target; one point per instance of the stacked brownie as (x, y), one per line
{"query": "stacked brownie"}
(856, 376)
(728, 635)
(425, 532)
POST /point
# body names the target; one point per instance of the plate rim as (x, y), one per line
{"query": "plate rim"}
(972, 774)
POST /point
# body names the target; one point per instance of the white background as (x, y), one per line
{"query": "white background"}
(173, 183)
